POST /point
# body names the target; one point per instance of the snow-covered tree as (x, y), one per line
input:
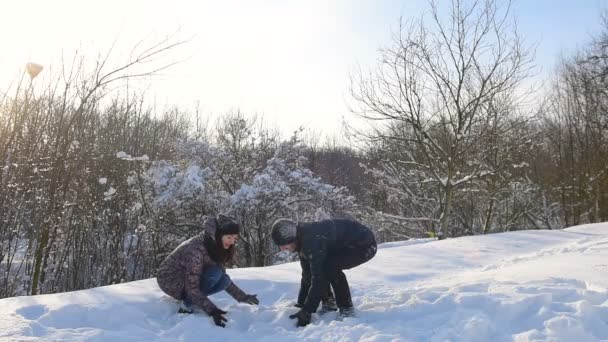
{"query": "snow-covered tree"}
(200, 182)
(284, 188)
(444, 88)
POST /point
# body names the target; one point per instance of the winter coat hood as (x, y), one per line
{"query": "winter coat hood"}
(213, 230)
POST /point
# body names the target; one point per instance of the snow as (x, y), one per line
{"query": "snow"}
(111, 191)
(405, 243)
(108, 194)
(516, 286)
(124, 156)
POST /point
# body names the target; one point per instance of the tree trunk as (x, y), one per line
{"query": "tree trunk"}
(486, 226)
(445, 216)
(38, 257)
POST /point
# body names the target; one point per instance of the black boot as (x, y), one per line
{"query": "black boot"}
(347, 312)
(328, 301)
(185, 308)
(329, 304)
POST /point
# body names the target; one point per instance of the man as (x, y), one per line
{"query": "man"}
(326, 248)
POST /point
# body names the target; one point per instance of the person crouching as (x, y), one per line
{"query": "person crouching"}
(196, 269)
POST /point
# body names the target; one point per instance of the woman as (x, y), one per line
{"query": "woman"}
(196, 269)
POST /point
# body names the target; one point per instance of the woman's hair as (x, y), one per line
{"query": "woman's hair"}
(216, 250)
(225, 256)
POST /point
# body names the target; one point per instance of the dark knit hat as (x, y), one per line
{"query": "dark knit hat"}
(226, 226)
(284, 232)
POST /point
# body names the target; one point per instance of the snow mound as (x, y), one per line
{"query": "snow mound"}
(517, 286)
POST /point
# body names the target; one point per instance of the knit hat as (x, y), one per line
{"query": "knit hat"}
(284, 232)
(226, 226)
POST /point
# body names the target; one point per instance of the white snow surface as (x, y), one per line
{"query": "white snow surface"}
(517, 286)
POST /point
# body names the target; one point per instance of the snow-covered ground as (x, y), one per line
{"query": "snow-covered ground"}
(519, 286)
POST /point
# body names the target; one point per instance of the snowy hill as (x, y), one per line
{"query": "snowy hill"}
(519, 286)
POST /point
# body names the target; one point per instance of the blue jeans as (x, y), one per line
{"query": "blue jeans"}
(212, 281)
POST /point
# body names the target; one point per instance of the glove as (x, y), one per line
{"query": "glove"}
(298, 305)
(251, 299)
(303, 318)
(218, 317)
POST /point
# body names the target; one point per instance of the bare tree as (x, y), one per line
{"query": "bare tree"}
(576, 125)
(81, 93)
(445, 85)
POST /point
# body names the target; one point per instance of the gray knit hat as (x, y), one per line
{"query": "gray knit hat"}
(284, 232)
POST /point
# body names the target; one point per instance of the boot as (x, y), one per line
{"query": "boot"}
(185, 309)
(328, 301)
(329, 304)
(347, 312)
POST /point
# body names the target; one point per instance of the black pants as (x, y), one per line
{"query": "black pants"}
(344, 259)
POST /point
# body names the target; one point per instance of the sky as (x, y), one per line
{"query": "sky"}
(287, 60)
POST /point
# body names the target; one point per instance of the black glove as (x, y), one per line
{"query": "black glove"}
(218, 317)
(251, 299)
(298, 305)
(303, 317)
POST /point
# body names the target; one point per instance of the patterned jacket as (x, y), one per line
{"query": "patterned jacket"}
(180, 273)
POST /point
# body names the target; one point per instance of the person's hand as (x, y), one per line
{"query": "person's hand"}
(218, 317)
(303, 318)
(298, 305)
(251, 299)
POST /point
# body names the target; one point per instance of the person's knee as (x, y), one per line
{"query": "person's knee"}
(214, 272)
(224, 281)
(332, 272)
(215, 279)
(213, 275)
(371, 252)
